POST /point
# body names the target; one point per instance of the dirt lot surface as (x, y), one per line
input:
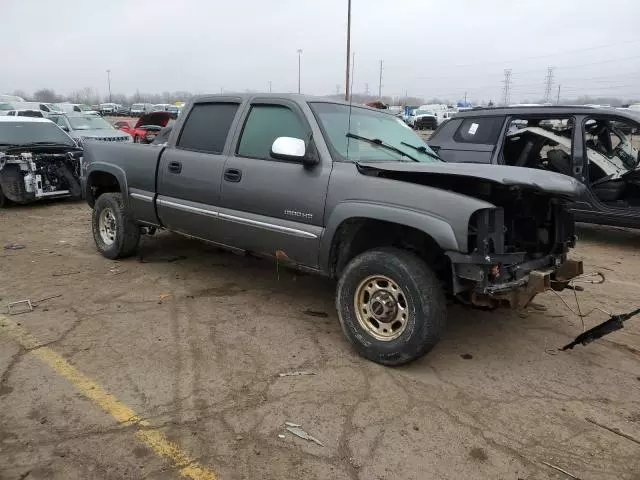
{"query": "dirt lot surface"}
(168, 365)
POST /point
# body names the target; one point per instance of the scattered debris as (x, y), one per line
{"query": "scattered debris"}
(37, 302)
(164, 296)
(171, 259)
(538, 306)
(239, 437)
(316, 313)
(13, 246)
(299, 432)
(62, 274)
(560, 470)
(28, 307)
(466, 356)
(291, 424)
(280, 435)
(296, 374)
(613, 430)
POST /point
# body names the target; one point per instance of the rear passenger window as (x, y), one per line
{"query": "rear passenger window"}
(264, 124)
(483, 130)
(207, 126)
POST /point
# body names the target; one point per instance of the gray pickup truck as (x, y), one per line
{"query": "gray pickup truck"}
(348, 192)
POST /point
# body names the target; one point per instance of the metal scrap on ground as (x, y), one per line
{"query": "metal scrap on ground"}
(299, 432)
(296, 374)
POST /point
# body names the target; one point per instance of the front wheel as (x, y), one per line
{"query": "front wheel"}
(115, 233)
(391, 306)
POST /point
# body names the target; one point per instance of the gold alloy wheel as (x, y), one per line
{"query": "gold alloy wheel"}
(381, 307)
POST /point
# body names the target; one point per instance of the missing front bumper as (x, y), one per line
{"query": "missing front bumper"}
(528, 279)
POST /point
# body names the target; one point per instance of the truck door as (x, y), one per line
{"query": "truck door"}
(273, 206)
(190, 173)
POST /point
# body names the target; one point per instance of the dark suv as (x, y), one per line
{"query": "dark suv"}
(597, 146)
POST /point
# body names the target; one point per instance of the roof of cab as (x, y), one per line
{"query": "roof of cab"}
(558, 110)
(295, 97)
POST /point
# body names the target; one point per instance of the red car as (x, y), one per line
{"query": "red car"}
(147, 126)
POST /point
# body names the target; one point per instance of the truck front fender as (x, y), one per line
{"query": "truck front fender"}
(437, 228)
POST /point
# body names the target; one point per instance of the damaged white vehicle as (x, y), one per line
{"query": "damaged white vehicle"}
(37, 161)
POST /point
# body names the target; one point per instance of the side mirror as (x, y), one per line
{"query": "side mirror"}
(65, 128)
(292, 149)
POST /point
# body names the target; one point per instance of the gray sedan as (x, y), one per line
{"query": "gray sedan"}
(82, 127)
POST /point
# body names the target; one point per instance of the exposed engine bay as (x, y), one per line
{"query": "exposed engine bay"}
(515, 250)
(29, 176)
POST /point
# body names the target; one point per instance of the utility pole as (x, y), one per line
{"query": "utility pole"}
(109, 83)
(347, 95)
(549, 84)
(269, 86)
(299, 67)
(337, 90)
(366, 89)
(465, 99)
(558, 97)
(380, 82)
(506, 98)
(353, 67)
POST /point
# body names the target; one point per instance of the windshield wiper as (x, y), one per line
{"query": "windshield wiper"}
(422, 149)
(380, 143)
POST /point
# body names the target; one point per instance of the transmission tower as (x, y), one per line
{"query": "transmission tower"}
(506, 98)
(549, 84)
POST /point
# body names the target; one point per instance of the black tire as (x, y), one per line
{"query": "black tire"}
(12, 185)
(127, 232)
(425, 305)
(3, 199)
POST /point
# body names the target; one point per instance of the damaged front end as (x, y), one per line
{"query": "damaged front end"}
(28, 176)
(515, 252)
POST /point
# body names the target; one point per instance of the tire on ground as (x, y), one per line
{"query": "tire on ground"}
(12, 185)
(426, 305)
(127, 232)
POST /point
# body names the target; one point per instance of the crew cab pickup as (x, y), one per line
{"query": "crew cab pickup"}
(348, 192)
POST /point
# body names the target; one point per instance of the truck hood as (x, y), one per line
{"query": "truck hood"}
(98, 133)
(517, 177)
(159, 119)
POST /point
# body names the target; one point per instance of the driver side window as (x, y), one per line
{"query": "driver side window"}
(264, 124)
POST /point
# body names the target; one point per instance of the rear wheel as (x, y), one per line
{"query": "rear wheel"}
(391, 306)
(116, 235)
(3, 199)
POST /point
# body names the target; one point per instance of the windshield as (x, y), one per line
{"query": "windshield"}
(85, 108)
(369, 124)
(424, 112)
(89, 122)
(53, 108)
(6, 106)
(137, 106)
(19, 133)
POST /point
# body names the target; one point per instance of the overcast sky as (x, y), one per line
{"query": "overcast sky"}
(429, 48)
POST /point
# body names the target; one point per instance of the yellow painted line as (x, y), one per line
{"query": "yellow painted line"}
(154, 438)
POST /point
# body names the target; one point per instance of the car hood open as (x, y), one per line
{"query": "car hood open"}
(155, 118)
(519, 177)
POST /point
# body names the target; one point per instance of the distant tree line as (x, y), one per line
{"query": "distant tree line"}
(91, 97)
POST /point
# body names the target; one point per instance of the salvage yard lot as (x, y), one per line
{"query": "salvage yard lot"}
(192, 340)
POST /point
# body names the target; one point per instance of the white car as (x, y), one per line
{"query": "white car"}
(77, 108)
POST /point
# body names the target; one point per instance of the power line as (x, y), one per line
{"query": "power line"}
(533, 57)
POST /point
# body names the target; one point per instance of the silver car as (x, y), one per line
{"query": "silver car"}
(82, 127)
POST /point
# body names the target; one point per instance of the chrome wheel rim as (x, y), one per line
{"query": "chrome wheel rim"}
(381, 307)
(107, 226)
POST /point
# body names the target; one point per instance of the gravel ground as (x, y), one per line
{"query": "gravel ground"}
(188, 342)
